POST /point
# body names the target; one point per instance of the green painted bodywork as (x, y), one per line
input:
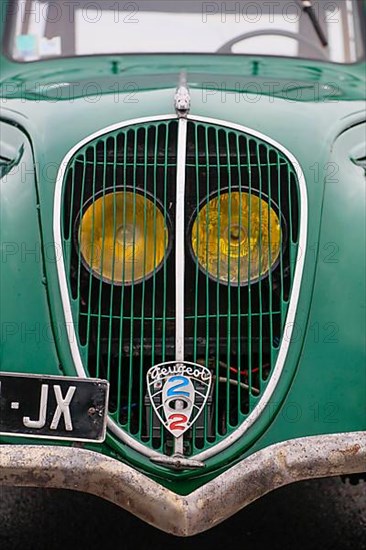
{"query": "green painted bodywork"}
(314, 109)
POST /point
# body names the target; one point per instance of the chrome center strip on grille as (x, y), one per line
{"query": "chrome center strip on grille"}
(179, 240)
(182, 103)
(179, 254)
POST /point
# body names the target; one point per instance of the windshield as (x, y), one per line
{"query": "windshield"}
(43, 29)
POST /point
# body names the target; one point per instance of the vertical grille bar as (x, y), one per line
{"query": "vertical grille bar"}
(228, 323)
(269, 254)
(79, 208)
(260, 346)
(279, 194)
(249, 364)
(239, 316)
(69, 229)
(110, 320)
(101, 256)
(142, 329)
(122, 379)
(215, 147)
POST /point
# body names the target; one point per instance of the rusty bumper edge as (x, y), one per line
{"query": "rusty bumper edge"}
(90, 472)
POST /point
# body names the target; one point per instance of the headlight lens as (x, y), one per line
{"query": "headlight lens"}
(236, 237)
(123, 237)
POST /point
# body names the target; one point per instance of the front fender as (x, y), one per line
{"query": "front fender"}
(26, 331)
(334, 349)
(328, 392)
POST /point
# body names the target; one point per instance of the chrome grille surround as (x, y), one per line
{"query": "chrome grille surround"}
(276, 371)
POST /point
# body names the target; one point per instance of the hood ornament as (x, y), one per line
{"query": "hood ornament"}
(182, 97)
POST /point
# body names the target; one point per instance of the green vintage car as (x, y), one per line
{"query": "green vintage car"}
(182, 250)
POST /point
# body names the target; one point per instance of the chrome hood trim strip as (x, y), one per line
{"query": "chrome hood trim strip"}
(90, 472)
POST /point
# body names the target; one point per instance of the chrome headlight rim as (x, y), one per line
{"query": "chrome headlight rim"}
(124, 189)
(249, 191)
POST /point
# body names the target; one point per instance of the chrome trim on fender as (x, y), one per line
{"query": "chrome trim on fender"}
(290, 318)
(275, 466)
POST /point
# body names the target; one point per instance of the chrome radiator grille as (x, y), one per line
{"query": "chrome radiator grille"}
(234, 329)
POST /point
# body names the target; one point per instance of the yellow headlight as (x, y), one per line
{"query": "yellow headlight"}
(123, 237)
(236, 237)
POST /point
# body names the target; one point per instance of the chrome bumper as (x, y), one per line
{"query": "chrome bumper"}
(86, 471)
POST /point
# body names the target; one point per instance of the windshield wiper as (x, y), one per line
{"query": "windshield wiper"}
(308, 8)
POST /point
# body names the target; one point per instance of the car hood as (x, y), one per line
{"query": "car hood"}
(287, 99)
(292, 79)
(55, 125)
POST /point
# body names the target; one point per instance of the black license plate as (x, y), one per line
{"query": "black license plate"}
(53, 407)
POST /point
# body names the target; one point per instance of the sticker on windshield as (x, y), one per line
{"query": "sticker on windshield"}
(50, 47)
(27, 46)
